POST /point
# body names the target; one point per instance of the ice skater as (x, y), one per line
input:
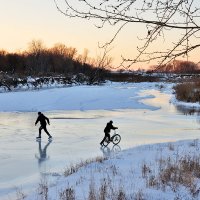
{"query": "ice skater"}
(43, 123)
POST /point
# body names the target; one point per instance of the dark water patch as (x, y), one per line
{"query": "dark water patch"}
(187, 110)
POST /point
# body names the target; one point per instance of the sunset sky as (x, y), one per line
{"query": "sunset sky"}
(24, 20)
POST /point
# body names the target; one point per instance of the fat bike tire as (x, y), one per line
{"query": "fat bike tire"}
(116, 139)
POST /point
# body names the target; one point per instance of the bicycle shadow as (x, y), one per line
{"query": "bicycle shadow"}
(107, 151)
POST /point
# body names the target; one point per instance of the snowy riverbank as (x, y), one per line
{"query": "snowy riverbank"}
(106, 97)
(141, 111)
(109, 96)
(145, 172)
(159, 171)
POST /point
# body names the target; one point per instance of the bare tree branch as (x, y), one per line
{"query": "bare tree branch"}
(160, 17)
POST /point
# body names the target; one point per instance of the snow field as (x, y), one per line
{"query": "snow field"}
(137, 173)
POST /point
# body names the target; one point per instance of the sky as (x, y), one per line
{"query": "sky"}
(24, 20)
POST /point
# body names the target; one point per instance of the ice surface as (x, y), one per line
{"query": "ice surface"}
(111, 96)
(78, 116)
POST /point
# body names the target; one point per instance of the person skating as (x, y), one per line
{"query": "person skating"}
(107, 129)
(43, 123)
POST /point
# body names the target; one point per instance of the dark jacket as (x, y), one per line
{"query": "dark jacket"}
(108, 127)
(42, 119)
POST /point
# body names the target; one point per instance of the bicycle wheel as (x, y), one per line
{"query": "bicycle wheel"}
(116, 139)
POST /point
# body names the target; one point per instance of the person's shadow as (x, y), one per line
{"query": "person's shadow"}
(42, 152)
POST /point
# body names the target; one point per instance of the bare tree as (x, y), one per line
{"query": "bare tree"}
(101, 63)
(36, 47)
(64, 51)
(85, 56)
(160, 17)
(38, 58)
(60, 49)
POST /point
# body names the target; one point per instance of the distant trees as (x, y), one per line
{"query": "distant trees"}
(178, 66)
(11, 62)
(36, 57)
(59, 59)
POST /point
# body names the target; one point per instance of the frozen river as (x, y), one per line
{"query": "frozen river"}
(77, 134)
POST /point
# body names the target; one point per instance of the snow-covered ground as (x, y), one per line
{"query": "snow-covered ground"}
(145, 172)
(78, 115)
(107, 97)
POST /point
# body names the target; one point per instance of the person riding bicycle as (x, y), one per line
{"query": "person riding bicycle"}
(107, 129)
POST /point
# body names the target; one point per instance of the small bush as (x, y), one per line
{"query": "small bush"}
(183, 172)
(121, 194)
(43, 190)
(68, 194)
(145, 170)
(139, 195)
(20, 194)
(188, 92)
(74, 168)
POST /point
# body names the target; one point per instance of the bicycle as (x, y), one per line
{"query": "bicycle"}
(115, 139)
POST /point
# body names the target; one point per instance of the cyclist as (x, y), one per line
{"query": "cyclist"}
(107, 129)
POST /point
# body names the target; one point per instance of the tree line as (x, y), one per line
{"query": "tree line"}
(178, 66)
(59, 59)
